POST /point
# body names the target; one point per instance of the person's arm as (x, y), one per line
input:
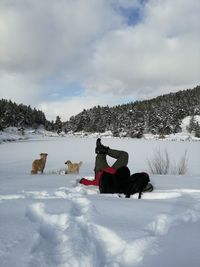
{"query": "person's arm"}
(96, 180)
(85, 181)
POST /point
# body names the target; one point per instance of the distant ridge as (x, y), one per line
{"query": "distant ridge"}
(161, 115)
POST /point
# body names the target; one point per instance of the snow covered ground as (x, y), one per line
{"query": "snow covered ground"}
(52, 220)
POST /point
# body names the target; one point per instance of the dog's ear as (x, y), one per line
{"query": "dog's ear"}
(43, 154)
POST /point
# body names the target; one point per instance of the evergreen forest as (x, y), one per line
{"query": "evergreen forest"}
(161, 115)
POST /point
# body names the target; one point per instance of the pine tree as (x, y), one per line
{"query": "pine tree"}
(58, 125)
(197, 130)
(192, 125)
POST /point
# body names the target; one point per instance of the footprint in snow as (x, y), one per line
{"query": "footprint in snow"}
(74, 240)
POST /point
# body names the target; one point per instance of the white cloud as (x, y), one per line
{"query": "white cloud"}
(158, 54)
(89, 42)
(42, 37)
(72, 106)
(19, 88)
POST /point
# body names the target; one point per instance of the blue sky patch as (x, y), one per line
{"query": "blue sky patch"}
(132, 15)
(60, 90)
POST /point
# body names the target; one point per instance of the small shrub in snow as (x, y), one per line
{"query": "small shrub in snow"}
(160, 164)
(181, 167)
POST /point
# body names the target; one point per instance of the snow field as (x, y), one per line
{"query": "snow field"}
(52, 220)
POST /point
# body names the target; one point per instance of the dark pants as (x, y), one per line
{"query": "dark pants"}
(120, 156)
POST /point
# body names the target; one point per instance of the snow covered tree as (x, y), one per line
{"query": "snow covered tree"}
(58, 125)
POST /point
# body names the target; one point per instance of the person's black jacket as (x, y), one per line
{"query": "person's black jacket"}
(123, 182)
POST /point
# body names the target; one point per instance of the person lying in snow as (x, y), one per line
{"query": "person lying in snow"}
(116, 178)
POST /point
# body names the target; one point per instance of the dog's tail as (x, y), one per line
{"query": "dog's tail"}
(80, 163)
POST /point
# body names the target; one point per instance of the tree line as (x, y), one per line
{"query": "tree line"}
(161, 115)
(19, 115)
(23, 116)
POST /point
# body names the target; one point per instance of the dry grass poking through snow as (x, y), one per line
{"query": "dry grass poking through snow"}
(161, 163)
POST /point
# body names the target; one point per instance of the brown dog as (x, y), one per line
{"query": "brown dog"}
(39, 164)
(72, 167)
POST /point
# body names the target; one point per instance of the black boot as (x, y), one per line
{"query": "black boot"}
(100, 149)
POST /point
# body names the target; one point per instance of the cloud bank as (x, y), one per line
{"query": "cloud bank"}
(63, 56)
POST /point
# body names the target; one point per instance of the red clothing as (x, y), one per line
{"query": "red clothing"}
(97, 177)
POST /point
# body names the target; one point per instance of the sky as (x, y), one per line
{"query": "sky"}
(68, 55)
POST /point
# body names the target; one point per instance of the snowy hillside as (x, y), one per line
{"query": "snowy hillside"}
(52, 220)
